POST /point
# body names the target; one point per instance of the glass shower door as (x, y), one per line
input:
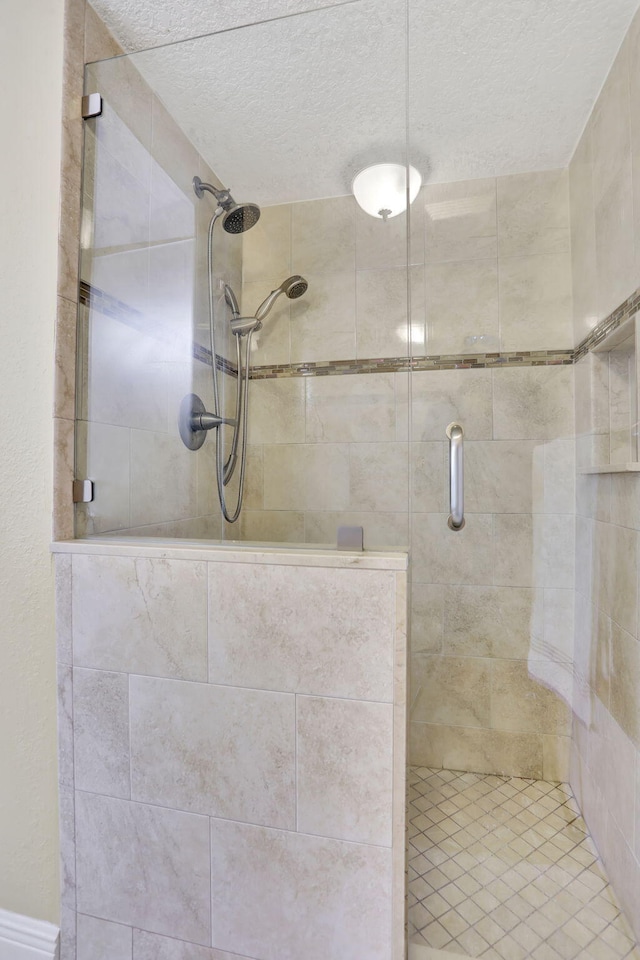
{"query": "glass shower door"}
(326, 439)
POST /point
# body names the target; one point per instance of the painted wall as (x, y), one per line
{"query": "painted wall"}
(605, 227)
(30, 78)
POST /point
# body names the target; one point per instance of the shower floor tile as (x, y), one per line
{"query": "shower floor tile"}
(505, 869)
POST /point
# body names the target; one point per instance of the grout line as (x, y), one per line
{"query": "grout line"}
(233, 686)
(295, 759)
(208, 621)
(182, 812)
(498, 285)
(210, 883)
(130, 738)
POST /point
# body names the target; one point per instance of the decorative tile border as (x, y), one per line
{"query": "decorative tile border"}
(203, 354)
(112, 307)
(622, 313)
(476, 361)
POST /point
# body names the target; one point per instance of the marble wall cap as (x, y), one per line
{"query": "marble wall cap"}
(218, 551)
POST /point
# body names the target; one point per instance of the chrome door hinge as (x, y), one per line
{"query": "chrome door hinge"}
(91, 106)
(83, 491)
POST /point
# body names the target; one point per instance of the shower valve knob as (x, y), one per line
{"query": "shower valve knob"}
(207, 421)
(194, 421)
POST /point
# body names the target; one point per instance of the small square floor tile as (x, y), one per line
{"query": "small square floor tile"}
(504, 868)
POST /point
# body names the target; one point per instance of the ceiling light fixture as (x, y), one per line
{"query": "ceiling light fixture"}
(381, 190)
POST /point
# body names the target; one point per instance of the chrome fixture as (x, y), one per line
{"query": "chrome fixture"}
(292, 287)
(91, 106)
(381, 190)
(194, 420)
(83, 491)
(232, 302)
(238, 217)
(455, 433)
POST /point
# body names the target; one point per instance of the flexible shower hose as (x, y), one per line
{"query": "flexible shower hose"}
(225, 470)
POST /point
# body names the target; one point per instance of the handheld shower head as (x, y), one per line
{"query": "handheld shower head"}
(232, 301)
(238, 217)
(292, 287)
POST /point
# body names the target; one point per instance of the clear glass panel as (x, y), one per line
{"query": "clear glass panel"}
(491, 602)
(283, 114)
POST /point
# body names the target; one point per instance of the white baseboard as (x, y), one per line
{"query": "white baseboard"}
(22, 938)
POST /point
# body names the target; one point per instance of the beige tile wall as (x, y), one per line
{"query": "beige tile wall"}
(605, 764)
(325, 451)
(492, 605)
(604, 180)
(223, 755)
(490, 270)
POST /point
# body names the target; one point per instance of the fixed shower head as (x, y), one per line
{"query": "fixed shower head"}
(238, 217)
(292, 287)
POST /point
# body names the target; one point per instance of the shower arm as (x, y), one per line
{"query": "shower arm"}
(222, 196)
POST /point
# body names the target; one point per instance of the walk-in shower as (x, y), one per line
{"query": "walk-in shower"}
(470, 310)
(194, 420)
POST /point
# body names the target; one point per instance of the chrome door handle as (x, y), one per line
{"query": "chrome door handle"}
(455, 433)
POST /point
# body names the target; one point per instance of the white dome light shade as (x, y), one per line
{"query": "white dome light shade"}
(381, 190)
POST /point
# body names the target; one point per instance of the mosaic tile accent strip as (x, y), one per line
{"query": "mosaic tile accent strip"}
(474, 361)
(626, 310)
(504, 869)
(204, 355)
(110, 306)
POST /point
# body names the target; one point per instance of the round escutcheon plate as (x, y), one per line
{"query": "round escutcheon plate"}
(191, 406)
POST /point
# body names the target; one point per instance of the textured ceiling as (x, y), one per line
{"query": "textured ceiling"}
(290, 109)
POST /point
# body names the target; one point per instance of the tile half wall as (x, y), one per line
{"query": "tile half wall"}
(232, 741)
